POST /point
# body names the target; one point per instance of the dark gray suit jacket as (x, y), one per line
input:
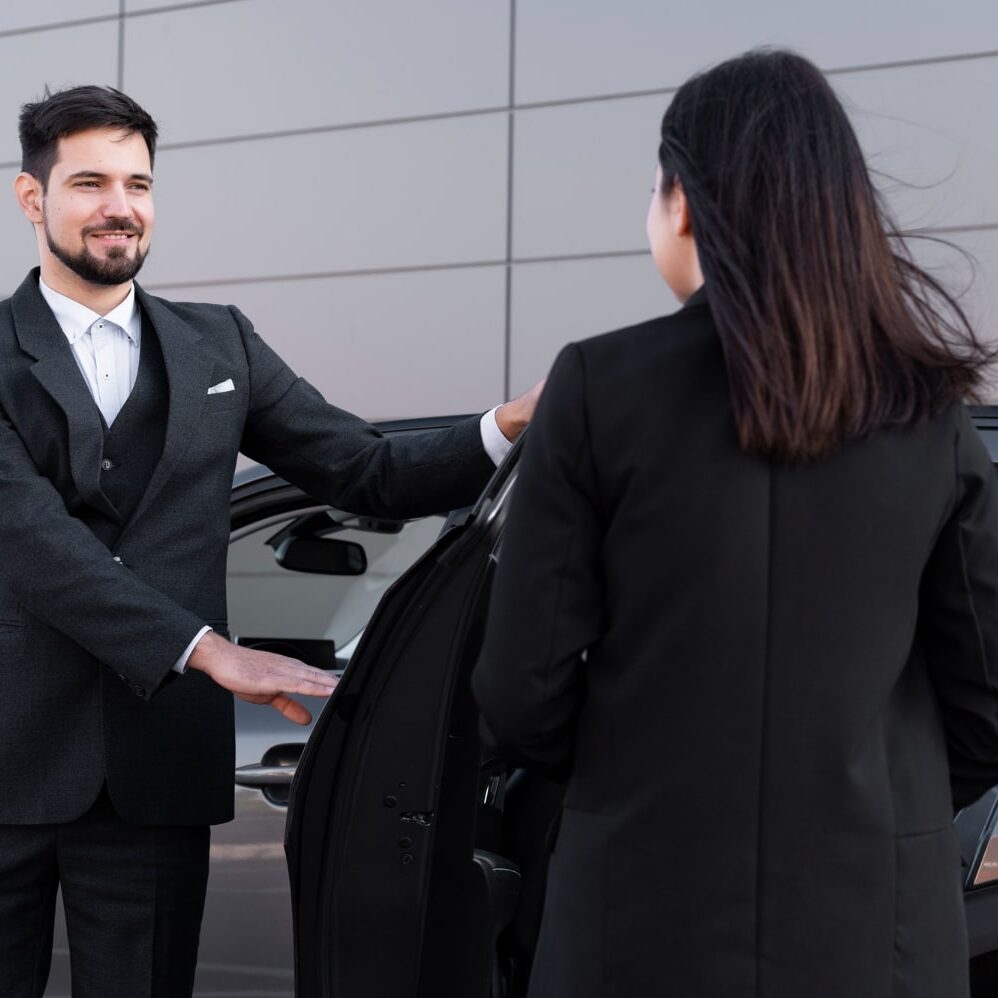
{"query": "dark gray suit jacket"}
(791, 676)
(88, 633)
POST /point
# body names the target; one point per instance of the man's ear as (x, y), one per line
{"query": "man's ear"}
(28, 191)
(679, 210)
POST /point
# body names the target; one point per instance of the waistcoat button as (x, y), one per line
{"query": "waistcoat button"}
(107, 464)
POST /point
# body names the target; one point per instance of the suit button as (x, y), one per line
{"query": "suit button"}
(139, 690)
(106, 464)
(117, 558)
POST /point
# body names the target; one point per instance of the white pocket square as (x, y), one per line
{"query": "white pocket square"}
(222, 386)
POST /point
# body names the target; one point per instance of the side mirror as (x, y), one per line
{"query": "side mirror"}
(321, 556)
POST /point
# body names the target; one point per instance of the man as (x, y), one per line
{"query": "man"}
(122, 415)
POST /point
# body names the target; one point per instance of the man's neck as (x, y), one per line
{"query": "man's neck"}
(99, 298)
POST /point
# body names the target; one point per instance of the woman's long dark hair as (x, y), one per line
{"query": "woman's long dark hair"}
(830, 330)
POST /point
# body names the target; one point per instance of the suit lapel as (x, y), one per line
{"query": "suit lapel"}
(56, 371)
(188, 372)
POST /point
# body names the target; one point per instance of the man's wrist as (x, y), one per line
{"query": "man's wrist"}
(181, 664)
(203, 652)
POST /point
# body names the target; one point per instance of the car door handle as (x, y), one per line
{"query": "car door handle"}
(265, 776)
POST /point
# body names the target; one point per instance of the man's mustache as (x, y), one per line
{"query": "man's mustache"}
(115, 225)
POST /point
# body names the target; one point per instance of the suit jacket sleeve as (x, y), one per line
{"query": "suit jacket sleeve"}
(345, 461)
(548, 595)
(67, 578)
(958, 619)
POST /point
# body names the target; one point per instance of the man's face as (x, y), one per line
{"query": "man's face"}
(97, 210)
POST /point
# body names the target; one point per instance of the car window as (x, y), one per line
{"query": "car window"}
(268, 600)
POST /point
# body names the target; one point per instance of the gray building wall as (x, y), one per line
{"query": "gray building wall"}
(418, 202)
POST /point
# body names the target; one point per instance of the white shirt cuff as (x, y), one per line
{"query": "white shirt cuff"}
(181, 663)
(495, 443)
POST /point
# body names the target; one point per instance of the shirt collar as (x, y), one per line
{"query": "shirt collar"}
(75, 319)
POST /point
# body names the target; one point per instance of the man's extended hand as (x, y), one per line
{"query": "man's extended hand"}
(512, 418)
(260, 676)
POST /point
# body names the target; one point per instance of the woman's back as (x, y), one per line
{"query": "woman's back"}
(759, 800)
(748, 596)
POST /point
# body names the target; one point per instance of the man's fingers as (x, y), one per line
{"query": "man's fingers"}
(262, 677)
(276, 674)
(314, 684)
(291, 709)
(277, 696)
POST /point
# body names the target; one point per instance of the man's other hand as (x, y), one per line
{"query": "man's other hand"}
(260, 676)
(513, 417)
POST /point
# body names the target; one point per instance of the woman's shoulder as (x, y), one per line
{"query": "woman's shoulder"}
(689, 331)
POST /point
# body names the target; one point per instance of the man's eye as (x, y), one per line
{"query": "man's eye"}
(87, 183)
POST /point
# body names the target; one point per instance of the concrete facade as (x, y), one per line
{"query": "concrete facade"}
(419, 203)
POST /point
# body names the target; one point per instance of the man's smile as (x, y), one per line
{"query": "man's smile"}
(114, 232)
(112, 237)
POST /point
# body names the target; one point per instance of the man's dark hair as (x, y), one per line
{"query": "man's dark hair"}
(78, 109)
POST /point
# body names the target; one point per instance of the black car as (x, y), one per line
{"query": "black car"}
(416, 865)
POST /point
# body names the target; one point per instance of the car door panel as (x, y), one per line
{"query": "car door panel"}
(381, 831)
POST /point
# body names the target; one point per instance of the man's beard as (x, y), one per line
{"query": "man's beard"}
(116, 268)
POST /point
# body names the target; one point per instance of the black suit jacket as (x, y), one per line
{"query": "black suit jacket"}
(88, 634)
(790, 676)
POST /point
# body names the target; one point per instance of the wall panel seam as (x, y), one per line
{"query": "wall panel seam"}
(327, 274)
(76, 22)
(471, 112)
(347, 126)
(169, 8)
(477, 264)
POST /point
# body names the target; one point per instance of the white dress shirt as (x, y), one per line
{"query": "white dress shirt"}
(106, 349)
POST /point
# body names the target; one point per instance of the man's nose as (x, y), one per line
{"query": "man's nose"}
(116, 203)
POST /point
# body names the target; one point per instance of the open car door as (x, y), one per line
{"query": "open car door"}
(392, 817)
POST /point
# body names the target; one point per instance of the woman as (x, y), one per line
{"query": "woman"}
(748, 596)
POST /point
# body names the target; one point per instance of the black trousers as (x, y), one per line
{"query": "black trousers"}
(133, 897)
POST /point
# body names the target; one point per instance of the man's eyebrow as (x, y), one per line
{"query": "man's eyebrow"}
(97, 175)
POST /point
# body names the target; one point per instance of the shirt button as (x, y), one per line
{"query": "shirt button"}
(107, 464)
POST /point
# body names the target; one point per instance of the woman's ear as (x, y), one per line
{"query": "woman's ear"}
(679, 210)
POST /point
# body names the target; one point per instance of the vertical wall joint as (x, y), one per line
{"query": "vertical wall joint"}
(507, 374)
(120, 84)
